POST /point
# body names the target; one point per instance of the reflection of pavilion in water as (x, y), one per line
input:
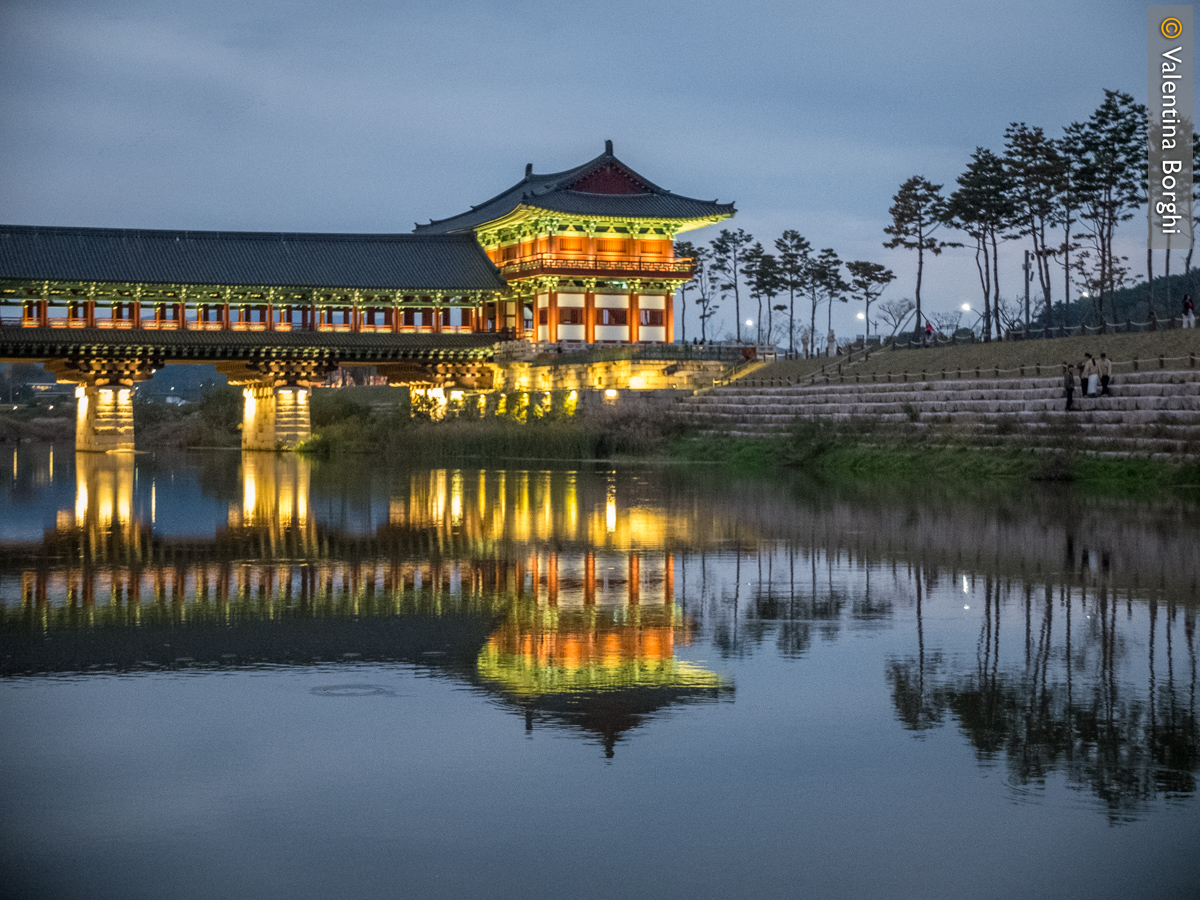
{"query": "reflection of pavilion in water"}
(580, 635)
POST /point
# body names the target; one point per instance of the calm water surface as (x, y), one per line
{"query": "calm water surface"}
(256, 676)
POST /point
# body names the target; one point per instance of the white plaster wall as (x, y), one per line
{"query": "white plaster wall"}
(612, 301)
(652, 333)
(575, 300)
(570, 332)
(612, 332)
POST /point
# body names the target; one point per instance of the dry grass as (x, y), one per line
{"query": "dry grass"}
(1008, 355)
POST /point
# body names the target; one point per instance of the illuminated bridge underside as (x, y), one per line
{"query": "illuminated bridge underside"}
(273, 367)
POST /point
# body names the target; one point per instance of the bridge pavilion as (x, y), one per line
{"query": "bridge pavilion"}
(105, 308)
(588, 253)
(584, 255)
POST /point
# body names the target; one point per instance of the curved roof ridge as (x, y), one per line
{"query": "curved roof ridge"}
(533, 189)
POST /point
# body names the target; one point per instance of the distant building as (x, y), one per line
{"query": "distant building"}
(588, 253)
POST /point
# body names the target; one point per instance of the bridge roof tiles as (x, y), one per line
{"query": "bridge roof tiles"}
(27, 343)
(603, 187)
(402, 262)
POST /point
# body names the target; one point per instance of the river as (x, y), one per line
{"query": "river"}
(228, 674)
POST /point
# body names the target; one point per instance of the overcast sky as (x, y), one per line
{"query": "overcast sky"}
(369, 116)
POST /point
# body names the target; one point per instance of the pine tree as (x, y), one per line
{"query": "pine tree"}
(917, 211)
(727, 250)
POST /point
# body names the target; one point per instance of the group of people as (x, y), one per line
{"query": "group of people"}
(1094, 377)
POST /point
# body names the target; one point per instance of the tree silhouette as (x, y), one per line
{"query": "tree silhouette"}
(917, 211)
(1110, 148)
(794, 258)
(1036, 171)
(982, 207)
(868, 281)
(727, 250)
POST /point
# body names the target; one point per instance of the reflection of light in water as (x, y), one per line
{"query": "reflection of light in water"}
(52, 465)
(456, 498)
(274, 490)
(104, 489)
(571, 503)
(153, 501)
(249, 492)
(610, 508)
(965, 588)
(543, 650)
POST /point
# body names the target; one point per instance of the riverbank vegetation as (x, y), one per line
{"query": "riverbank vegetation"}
(863, 451)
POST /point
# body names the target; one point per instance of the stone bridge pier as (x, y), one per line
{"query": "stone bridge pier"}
(275, 411)
(104, 399)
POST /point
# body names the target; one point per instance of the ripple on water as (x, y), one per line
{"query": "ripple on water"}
(353, 690)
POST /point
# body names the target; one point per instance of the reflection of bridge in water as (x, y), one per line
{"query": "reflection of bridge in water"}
(456, 581)
(569, 594)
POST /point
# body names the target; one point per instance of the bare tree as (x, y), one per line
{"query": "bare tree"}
(946, 322)
(896, 313)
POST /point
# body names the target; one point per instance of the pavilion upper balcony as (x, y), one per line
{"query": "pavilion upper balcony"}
(677, 269)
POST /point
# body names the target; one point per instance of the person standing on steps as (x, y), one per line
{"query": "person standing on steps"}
(1189, 312)
(1089, 377)
(1105, 369)
(1069, 384)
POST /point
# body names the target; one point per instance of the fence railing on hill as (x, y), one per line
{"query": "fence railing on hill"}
(835, 372)
(1033, 333)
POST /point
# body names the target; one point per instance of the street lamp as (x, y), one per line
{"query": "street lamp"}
(966, 307)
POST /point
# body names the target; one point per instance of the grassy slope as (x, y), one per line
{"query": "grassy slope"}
(1012, 354)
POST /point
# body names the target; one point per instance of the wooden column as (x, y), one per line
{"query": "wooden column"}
(634, 318)
(552, 316)
(589, 315)
(669, 316)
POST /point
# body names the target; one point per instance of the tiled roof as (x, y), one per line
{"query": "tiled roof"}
(381, 261)
(29, 343)
(604, 186)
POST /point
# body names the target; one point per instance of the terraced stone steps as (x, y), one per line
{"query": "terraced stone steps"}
(1155, 411)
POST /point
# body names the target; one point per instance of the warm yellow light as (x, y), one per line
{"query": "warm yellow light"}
(456, 395)
(456, 497)
(637, 383)
(249, 408)
(610, 393)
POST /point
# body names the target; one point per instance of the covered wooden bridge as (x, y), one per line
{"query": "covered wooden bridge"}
(105, 308)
